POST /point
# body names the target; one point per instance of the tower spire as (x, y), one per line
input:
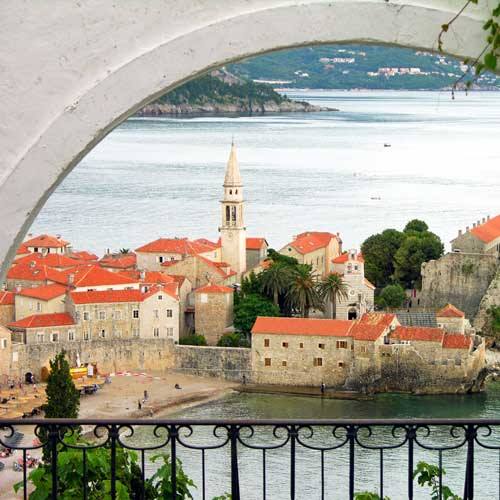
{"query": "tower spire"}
(233, 177)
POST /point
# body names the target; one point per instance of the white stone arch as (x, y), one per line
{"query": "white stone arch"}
(74, 70)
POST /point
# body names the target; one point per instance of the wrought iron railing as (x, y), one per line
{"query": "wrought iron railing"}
(274, 458)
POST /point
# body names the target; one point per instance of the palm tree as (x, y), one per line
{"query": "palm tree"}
(275, 280)
(303, 293)
(124, 251)
(332, 288)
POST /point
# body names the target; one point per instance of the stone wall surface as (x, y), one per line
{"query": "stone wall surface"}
(457, 278)
(230, 363)
(491, 298)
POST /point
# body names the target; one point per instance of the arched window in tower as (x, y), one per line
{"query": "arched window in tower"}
(236, 191)
(233, 214)
(230, 191)
(228, 214)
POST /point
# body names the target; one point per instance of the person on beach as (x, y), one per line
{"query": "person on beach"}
(139, 404)
(323, 387)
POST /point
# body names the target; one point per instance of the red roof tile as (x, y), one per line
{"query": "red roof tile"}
(310, 241)
(450, 311)
(46, 241)
(93, 275)
(456, 341)
(107, 296)
(149, 277)
(7, 298)
(120, 261)
(23, 249)
(47, 292)
(84, 255)
(255, 243)
(208, 243)
(50, 260)
(343, 258)
(181, 246)
(214, 289)
(372, 325)
(302, 326)
(418, 333)
(27, 272)
(488, 231)
(43, 320)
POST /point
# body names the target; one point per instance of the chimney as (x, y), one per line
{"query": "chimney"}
(484, 220)
(58, 236)
(459, 232)
(467, 229)
(487, 217)
(478, 222)
(473, 224)
(71, 278)
(142, 275)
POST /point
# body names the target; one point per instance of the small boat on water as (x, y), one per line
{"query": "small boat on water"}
(375, 198)
(387, 145)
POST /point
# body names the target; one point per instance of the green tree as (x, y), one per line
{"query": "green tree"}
(416, 225)
(247, 310)
(379, 251)
(413, 252)
(279, 257)
(275, 280)
(303, 291)
(63, 399)
(195, 339)
(494, 316)
(251, 284)
(333, 287)
(232, 340)
(392, 297)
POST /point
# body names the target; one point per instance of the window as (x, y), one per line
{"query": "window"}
(156, 332)
(301, 345)
(341, 344)
(135, 313)
(204, 298)
(156, 314)
(318, 362)
(102, 334)
(77, 317)
(86, 335)
(102, 315)
(285, 345)
(169, 313)
(266, 342)
(86, 316)
(39, 337)
(170, 332)
(135, 332)
(71, 335)
(160, 297)
(160, 259)
(340, 364)
(283, 363)
(267, 361)
(3, 344)
(321, 346)
(118, 315)
(38, 306)
(233, 214)
(54, 337)
(228, 213)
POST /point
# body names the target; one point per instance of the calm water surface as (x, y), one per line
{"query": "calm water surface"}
(162, 176)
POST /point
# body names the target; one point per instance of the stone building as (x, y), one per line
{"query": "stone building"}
(360, 292)
(5, 352)
(213, 311)
(56, 261)
(256, 251)
(46, 244)
(40, 328)
(44, 299)
(152, 256)
(451, 319)
(31, 275)
(315, 248)
(119, 262)
(374, 353)
(7, 307)
(232, 228)
(483, 237)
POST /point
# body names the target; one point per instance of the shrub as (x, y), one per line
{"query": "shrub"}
(233, 340)
(392, 296)
(193, 340)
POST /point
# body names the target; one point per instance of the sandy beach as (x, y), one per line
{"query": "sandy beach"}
(119, 399)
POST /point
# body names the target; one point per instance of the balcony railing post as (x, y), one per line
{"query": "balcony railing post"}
(235, 477)
(351, 436)
(113, 435)
(470, 435)
(411, 432)
(173, 459)
(293, 438)
(53, 439)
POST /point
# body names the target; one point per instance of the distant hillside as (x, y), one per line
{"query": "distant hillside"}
(357, 66)
(221, 92)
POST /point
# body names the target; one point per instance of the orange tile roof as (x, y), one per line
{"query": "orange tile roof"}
(22, 249)
(7, 298)
(93, 275)
(149, 277)
(426, 334)
(50, 260)
(107, 296)
(47, 292)
(372, 325)
(302, 326)
(214, 265)
(255, 243)
(182, 246)
(456, 341)
(27, 272)
(208, 243)
(119, 261)
(488, 231)
(310, 241)
(84, 255)
(450, 311)
(214, 289)
(43, 320)
(343, 258)
(46, 241)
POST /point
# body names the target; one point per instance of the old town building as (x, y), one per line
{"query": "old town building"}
(256, 251)
(39, 328)
(483, 237)
(46, 244)
(44, 299)
(7, 307)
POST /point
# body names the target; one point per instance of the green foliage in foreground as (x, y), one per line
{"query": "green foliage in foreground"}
(193, 340)
(427, 476)
(391, 297)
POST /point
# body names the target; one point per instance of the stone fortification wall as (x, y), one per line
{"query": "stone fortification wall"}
(110, 356)
(457, 278)
(230, 363)
(482, 321)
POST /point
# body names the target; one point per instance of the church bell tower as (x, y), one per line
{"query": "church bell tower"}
(232, 229)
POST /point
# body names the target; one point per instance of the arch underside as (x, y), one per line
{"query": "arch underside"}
(81, 87)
